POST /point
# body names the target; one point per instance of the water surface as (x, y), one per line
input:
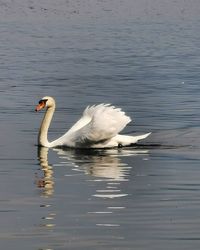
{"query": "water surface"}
(144, 197)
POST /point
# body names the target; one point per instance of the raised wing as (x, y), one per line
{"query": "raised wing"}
(105, 122)
(85, 119)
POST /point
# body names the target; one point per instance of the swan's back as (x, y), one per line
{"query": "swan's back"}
(98, 123)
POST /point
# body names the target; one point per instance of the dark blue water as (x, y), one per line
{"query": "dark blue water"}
(145, 197)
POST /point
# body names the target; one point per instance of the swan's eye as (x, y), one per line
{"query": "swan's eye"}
(43, 101)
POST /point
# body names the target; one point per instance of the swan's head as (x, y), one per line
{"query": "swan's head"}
(45, 102)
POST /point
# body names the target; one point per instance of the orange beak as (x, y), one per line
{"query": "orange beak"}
(40, 106)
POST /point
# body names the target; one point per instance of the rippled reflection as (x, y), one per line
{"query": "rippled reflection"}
(45, 182)
(104, 173)
(103, 165)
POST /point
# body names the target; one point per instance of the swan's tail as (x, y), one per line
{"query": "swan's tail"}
(126, 140)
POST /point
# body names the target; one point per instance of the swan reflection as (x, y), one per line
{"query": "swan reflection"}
(105, 164)
(46, 181)
(104, 171)
(101, 165)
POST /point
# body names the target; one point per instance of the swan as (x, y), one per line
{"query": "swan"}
(98, 127)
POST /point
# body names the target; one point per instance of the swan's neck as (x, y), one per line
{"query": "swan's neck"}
(43, 132)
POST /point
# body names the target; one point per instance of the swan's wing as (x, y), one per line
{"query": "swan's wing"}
(87, 115)
(105, 122)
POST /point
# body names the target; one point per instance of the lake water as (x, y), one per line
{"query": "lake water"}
(144, 197)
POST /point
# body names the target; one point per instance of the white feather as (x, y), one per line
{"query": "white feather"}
(98, 123)
(98, 127)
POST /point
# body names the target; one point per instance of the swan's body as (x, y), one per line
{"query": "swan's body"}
(98, 128)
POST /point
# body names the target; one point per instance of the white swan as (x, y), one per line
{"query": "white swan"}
(98, 127)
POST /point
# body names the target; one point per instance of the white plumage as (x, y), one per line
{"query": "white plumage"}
(98, 127)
